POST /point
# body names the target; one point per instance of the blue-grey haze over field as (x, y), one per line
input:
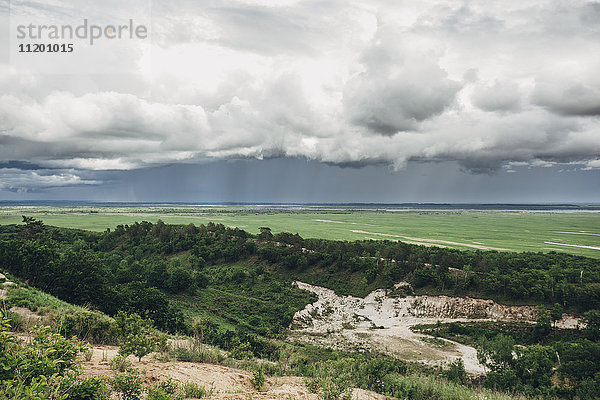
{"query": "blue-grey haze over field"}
(313, 101)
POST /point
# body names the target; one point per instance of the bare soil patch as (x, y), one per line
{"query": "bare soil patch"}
(382, 324)
(221, 381)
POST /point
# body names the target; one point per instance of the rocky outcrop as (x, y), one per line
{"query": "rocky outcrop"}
(382, 323)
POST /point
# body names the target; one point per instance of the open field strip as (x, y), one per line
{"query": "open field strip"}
(580, 233)
(515, 231)
(575, 245)
(433, 242)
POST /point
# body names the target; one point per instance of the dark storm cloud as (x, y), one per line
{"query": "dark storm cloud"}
(402, 85)
(570, 99)
(482, 85)
(590, 15)
(24, 180)
(298, 181)
(386, 104)
(21, 165)
(481, 165)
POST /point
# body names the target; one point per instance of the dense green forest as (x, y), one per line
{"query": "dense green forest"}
(237, 287)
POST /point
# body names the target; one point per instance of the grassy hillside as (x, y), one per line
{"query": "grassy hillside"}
(232, 289)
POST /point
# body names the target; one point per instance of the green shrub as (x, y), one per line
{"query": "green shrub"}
(36, 300)
(16, 321)
(165, 390)
(193, 390)
(169, 385)
(420, 387)
(94, 388)
(128, 385)
(51, 353)
(456, 372)
(332, 380)
(185, 354)
(312, 385)
(88, 353)
(38, 388)
(369, 373)
(242, 351)
(156, 393)
(139, 336)
(43, 369)
(90, 326)
(258, 380)
(200, 353)
(162, 342)
(119, 363)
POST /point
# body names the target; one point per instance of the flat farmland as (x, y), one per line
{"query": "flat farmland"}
(485, 230)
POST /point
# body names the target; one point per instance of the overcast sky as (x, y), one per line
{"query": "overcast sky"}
(311, 101)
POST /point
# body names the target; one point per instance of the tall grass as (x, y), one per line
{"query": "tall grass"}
(66, 319)
(421, 387)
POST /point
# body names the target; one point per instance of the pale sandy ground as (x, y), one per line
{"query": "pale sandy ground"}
(223, 382)
(382, 324)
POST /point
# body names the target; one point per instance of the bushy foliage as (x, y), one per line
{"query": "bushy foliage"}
(369, 373)
(456, 372)
(45, 368)
(86, 325)
(128, 385)
(165, 390)
(93, 388)
(332, 380)
(592, 324)
(120, 363)
(422, 387)
(138, 335)
(258, 379)
(193, 390)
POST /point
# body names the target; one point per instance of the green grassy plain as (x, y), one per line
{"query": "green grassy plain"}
(494, 230)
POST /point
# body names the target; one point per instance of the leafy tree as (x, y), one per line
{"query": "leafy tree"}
(457, 372)
(139, 337)
(496, 354)
(542, 323)
(265, 233)
(159, 276)
(556, 313)
(81, 278)
(592, 324)
(33, 228)
(534, 368)
(179, 281)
